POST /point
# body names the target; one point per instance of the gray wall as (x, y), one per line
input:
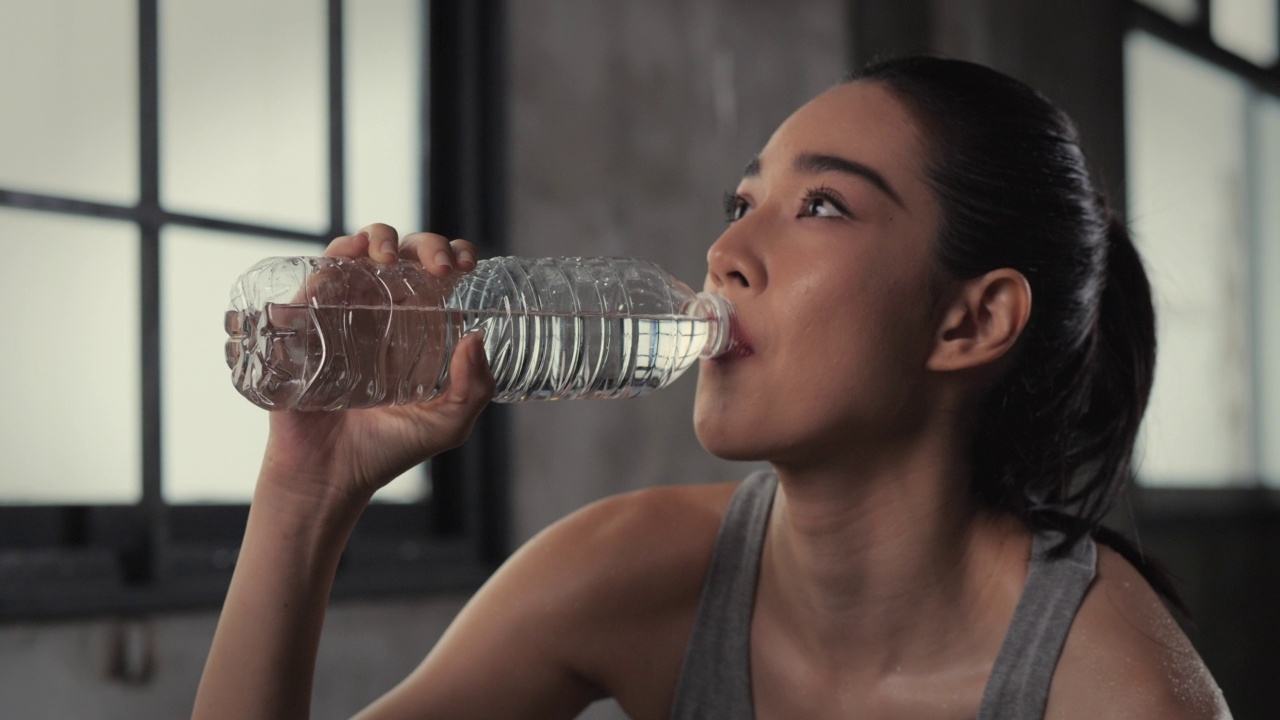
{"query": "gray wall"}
(628, 121)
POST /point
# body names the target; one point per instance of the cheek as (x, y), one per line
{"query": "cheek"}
(846, 347)
(862, 355)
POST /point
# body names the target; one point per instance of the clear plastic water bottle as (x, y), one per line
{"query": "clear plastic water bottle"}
(326, 333)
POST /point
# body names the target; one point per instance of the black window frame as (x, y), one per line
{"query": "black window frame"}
(74, 561)
(1196, 38)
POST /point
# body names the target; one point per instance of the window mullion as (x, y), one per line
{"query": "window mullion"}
(337, 159)
(1203, 15)
(1255, 272)
(149, 220)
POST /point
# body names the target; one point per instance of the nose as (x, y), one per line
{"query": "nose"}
(734, 260)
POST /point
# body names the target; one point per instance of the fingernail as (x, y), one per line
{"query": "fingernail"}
(443, 258)
(388, 247)
(466, 257)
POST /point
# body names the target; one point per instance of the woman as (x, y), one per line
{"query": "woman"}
(947, 347)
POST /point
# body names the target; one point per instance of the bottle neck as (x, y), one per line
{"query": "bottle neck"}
(719, 314)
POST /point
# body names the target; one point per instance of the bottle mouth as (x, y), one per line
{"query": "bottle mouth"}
(719, 314)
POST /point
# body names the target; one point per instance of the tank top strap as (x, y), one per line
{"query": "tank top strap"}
(1018, 688)
(715, 677)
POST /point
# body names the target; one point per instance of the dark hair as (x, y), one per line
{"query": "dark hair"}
(1055, 435)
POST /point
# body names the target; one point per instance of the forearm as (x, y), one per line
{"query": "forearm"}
(263, 655)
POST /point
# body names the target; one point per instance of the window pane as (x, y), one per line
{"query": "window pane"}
(1247, 28)
(1184, 11)
(70, 371)
(1188, 200)
(213, 437)
(70, 89)
(243, 110)
(1266, 162)
(384, 71)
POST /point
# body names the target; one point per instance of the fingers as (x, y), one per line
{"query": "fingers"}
(436, 253)
(383, 242)
(472, 382)
(378, 241)
(348, 246)
(471, 387)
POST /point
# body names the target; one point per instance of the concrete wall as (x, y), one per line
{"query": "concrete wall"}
(628, 121)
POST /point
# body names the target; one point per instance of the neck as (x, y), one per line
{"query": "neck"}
(887, 559)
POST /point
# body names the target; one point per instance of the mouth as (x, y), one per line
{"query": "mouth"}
(739, 344)
(735, 352)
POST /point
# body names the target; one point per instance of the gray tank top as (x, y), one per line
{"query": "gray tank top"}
(715, 679)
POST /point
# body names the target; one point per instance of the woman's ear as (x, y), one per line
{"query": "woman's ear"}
(982, 322)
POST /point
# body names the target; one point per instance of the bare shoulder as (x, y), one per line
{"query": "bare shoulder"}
(626, 573)
(1126, 656)
(621, 559)
(542, 637)
(640, 548)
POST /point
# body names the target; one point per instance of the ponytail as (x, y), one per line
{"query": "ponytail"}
(1124, 370)
(1120, 375)
(1054, 437)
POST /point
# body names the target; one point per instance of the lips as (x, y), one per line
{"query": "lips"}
(739, 342)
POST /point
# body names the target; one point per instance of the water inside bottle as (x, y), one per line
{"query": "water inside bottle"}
(561, 356)
(317, 357)
(294, 355)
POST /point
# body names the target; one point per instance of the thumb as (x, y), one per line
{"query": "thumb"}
(471, 382)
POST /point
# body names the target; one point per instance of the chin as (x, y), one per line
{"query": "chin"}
(735, 454)
(728, 443)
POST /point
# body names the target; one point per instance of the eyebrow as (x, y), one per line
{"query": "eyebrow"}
(818, 163)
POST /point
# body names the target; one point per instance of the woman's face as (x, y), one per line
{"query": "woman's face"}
(828, 261)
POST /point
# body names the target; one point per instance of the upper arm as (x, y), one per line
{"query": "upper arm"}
(529, 642)
(1126, 657)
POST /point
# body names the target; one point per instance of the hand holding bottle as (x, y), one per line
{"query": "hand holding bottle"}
(343, 457)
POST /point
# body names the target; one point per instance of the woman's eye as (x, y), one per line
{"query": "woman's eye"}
(735, 207)
(821, 205)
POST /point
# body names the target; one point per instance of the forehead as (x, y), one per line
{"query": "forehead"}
(862, 121)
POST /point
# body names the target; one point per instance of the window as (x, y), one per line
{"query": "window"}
(162, 148)
(1203, 125)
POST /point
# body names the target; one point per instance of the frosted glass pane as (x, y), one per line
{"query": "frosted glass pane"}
(1266, 161)
(383, 111)
(213, 437)
(1188, 208)
(71, 431)
(70, 87)
(1184, 11)
(243, 110)
(1247, 28)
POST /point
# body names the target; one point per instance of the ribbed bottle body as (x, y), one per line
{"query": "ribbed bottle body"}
(332, 333)
(580, 327)
(322, 333)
